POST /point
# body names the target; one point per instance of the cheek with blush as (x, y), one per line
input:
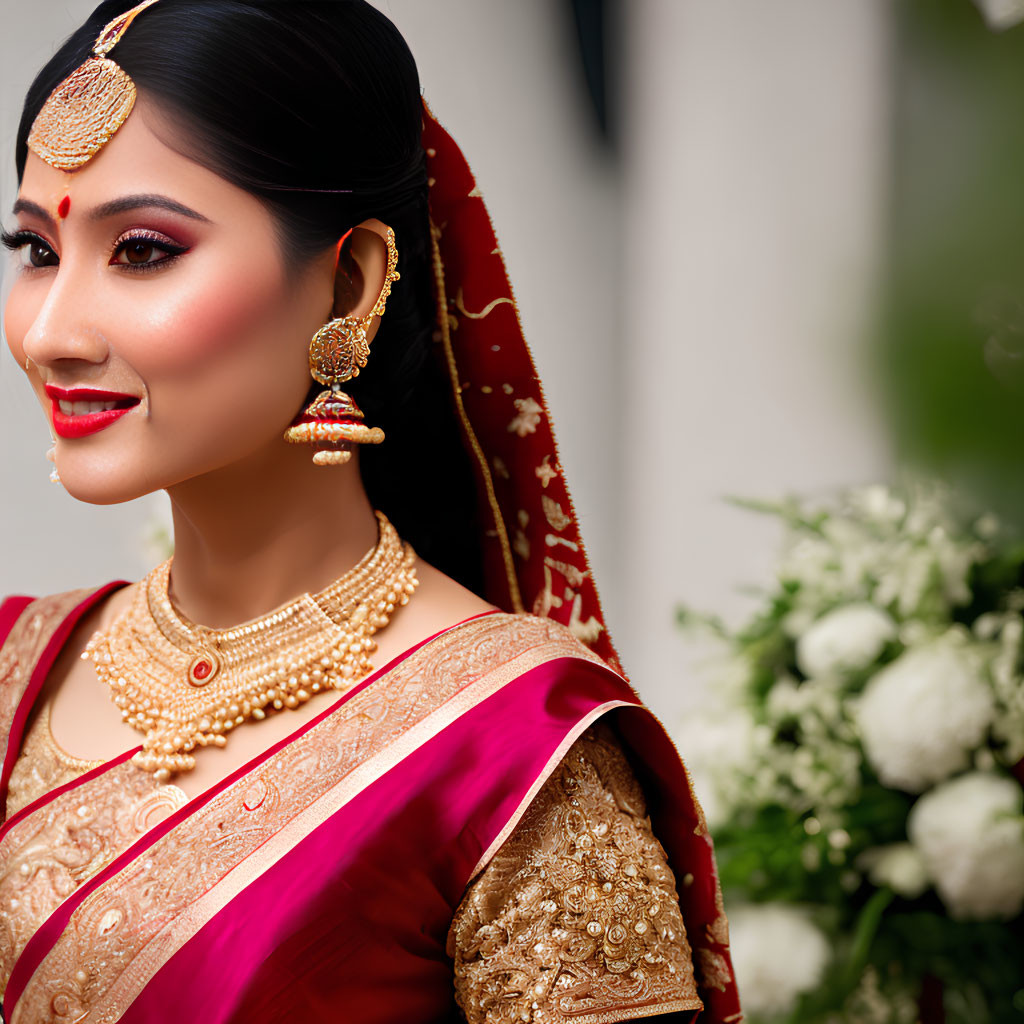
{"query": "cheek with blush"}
(218, 319)
(229, 354)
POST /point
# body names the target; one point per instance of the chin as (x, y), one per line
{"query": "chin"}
(96, 493)
(103, 484)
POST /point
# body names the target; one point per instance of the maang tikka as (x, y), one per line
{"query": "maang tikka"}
(83, 113)
(338, 351)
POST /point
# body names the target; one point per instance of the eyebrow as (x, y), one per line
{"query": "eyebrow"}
(27, 206)
(122, 205)
(127, 203)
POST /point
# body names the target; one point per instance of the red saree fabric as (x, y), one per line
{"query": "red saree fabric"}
(535, 559)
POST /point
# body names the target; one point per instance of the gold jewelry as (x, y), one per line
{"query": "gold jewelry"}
(338, 351)
(185, 686)
(82, 114)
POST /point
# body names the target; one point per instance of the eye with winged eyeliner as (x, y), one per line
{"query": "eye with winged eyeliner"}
(145, 240)
(140, 238)
(115, 207)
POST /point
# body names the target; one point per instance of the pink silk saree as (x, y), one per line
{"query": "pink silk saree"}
(318, 883)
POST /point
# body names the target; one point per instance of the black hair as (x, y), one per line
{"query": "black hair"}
(313, 106)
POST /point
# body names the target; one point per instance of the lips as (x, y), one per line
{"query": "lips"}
(78, 412)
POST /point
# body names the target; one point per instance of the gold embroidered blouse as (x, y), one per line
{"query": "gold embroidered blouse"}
(576, 918)
(42, 766)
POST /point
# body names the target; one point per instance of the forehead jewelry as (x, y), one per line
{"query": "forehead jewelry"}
(87, 108)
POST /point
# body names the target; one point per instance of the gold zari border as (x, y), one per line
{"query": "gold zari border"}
(368, 735)
(637, 1012)
(444, 325)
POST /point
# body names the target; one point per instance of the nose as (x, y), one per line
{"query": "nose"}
(65, 328)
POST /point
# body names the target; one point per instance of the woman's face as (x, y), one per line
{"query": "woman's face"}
(151, 285)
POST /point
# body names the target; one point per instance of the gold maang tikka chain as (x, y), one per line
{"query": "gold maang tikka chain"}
(186, 686)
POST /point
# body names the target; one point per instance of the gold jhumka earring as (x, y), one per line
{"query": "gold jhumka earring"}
(87, 108)
(339, 350)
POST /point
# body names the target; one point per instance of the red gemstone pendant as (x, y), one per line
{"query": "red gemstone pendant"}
(203, 669)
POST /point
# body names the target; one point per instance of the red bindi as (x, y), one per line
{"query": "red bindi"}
(64, 208)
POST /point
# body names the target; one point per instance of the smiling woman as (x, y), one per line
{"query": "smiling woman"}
(193, 268)
(362, 748)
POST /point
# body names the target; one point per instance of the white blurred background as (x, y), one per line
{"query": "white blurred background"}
(696, 297)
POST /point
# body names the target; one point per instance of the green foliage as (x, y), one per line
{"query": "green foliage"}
(952, 329)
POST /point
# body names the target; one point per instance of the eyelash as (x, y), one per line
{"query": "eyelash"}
(13, 241)
(18, 239)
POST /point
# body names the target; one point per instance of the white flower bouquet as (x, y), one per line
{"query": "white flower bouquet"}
(862, 768)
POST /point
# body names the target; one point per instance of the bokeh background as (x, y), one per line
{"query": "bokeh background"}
(695, 277)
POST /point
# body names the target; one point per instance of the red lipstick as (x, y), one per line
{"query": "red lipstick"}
(83, 422)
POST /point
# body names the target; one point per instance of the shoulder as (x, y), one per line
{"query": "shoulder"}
(28, 620)
(578, 912)
(592, 789)
(441, 600)
(521, 632)
(11, 609)
(513, 643)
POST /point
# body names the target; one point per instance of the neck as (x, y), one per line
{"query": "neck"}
(254, 535)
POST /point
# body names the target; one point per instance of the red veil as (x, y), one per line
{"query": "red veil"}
(533, 555)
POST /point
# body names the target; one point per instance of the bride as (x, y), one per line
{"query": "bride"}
(362, 750)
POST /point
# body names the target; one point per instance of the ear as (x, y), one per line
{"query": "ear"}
(362, 267)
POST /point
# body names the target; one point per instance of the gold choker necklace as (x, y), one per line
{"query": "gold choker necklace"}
(186, 686)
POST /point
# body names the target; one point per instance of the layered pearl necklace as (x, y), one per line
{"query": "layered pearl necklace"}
(185, 686)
